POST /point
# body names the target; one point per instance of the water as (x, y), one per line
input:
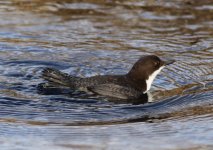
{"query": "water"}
(87, 38)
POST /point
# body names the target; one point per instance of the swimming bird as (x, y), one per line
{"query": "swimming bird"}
(131, 85)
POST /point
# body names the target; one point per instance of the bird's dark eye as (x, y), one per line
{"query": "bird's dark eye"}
(156, 63)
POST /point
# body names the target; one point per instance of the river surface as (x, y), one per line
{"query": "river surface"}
(97, 37)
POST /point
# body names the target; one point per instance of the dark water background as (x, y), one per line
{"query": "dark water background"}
(92, 37)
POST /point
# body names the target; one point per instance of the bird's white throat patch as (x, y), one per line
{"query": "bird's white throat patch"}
(151, 79)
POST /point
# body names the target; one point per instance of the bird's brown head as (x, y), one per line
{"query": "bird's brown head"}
(146, 67)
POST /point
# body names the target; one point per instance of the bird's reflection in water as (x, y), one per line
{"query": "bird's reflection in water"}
(144, 98)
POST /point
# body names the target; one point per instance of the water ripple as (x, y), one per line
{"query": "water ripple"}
(105, 37)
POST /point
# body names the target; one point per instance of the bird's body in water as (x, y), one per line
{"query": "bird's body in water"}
(128, 86)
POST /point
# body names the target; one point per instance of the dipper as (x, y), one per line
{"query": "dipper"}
(128, 86)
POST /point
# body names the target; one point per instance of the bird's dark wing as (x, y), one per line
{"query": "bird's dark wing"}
(117, 91)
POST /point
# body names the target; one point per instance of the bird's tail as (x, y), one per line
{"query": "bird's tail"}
(57, 77)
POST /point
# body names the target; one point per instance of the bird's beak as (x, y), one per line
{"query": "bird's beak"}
(168, 62)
